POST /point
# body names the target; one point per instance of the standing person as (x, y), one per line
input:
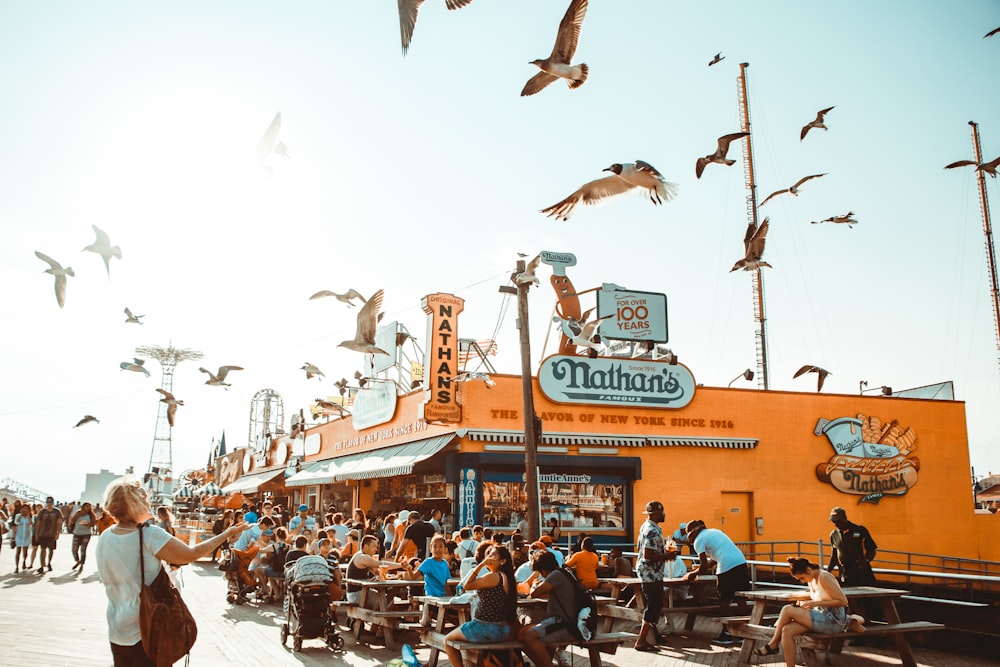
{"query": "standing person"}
(118, 565)
(22, 530)
(419, 532)
(823, 610)
(734, 576)
(388, 533)
(554, 531)
(165, 520)
(496, 613)
(218, 527)
(339, 530)
(82, 523)
(359, 522)
(301, 521)
(853, 550)
(48, 522)
(436, 516)
(649, 567)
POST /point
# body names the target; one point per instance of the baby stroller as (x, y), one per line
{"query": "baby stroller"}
(236, 565)
(307, 603)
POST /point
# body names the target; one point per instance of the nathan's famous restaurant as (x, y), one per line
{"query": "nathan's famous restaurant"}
(618, 431)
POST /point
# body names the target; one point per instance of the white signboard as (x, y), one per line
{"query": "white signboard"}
(634, 315)
(385, 339)
(374, 405)
(613, 381)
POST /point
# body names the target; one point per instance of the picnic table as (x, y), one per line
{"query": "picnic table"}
(378, 606)
(752, 630)
(672, 604)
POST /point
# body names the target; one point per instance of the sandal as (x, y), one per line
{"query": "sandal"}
(645, 648)
(766, 650)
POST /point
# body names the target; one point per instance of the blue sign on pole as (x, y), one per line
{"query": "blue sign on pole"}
(468, 494)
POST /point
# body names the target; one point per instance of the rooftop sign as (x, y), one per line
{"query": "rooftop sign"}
(634, 315)
(612, 381)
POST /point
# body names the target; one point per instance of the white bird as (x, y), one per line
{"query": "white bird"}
(312, 371)
(719, 156)
(817, 123)
(172, 404)
(793, 190)
(558, 65)
(132, 319)
(986, 167)
(586, 333)
(469, 377)
(528, 276)
(331, 406)
(136, 365)
(753, 248)
(218, 379)
(56, 269)
(716, 59)
(102, 246)
(364, 336)
(346, 297)
(821, 374)
(86, 420)
(408, 17)
(269, 143)
(846, 219)
(624, 178)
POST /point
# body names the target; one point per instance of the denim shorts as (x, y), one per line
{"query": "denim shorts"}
(553, 630)
(484, 632)
(829, 620)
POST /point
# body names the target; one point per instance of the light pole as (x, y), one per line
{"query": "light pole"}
(746, 375)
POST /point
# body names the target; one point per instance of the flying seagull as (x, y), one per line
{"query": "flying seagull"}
(469, 377)
(102, 246)
(718, 57)
(269, 143)
(86, 420)
(364, 336)
(623, 179)
(821, 374)
(408, 17)
(818, 123)
(56, 269)
(586, 333)
(719, 156)
(132, 319)
(753, 248)
(846, 219)
(794, 190)
(172, 404)
(991, 33)
(312, 371)
(137, 365)
(218, 379)
(528, 276)
(987, 167)
(330, 405)
(558, 65)
(346, 297)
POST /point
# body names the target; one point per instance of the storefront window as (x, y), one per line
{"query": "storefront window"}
(414, 492)
(585, 502)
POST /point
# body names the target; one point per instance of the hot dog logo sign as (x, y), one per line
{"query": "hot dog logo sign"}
(871, 459)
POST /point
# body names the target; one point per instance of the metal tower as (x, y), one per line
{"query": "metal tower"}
(751, 185)
(267, 419)
(984, 207)
(159, 479)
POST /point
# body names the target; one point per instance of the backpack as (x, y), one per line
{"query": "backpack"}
(582, 624)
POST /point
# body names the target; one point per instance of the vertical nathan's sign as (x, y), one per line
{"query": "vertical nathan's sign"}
(441, 364)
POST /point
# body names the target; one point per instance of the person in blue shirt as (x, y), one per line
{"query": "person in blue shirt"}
(434, 571)
(301, 521)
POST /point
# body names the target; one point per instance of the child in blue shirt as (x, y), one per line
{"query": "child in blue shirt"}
(434, 571)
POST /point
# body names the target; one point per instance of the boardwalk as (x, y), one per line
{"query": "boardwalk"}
(57, 619)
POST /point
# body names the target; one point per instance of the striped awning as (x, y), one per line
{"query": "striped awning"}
(251, 483)
(210, 489)
(386, 462)
(599, 439)
(184, 492)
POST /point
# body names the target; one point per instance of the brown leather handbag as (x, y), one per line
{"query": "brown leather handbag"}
(166, 625)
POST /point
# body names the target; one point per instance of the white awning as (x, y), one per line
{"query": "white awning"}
(591, 439)
(387, 462)
(250, 483)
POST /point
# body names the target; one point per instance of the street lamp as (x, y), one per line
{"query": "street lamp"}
(746, 375)
(886, 390)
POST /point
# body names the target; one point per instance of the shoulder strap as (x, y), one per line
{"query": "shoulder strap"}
(142, 564)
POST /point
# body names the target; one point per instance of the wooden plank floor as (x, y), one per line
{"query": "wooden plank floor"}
(58, 619)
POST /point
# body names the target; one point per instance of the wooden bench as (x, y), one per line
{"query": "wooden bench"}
(599, 643)
(811, 642)
(388, 620)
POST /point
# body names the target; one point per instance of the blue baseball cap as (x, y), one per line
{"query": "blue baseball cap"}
(303, 508)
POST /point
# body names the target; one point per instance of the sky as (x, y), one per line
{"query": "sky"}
(426, 173)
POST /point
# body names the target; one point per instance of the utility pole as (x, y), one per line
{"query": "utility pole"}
(532, 425)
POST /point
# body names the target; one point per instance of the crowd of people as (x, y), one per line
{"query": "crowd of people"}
(33, 529)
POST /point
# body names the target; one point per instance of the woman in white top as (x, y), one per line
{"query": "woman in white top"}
(823, 610)
(82, 523)
(118, 564)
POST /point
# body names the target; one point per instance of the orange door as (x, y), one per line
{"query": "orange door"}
(737, 515)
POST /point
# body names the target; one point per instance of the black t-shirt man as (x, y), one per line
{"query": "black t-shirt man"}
(419, 532)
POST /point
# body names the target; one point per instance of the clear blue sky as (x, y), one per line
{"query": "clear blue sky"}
(427, 173)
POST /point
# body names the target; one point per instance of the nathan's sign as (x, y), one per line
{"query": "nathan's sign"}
(374, 405)
(567, 379)
(632, 315)
(871, 459)
(441, 361)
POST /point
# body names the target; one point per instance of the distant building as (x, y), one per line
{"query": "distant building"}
(93, 491)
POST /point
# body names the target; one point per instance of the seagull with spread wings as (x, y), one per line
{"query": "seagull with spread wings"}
(408, 10)
(985, 167)
(793, 190)
(102, 246)
(821, 374)
(991, 33)
(528, 277)
(559, 64)
(132, 319)
(269, 143)
(218, 379)
(364, 336)
(137, 365)
(624, 178)
(753, 248)
(718, 57)
(347, 297)
(719, 156)
(587, 331)
(86, 420)
(57, 270)
(312, 371)
(846, 219)
(172, 404)
(817, 123)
